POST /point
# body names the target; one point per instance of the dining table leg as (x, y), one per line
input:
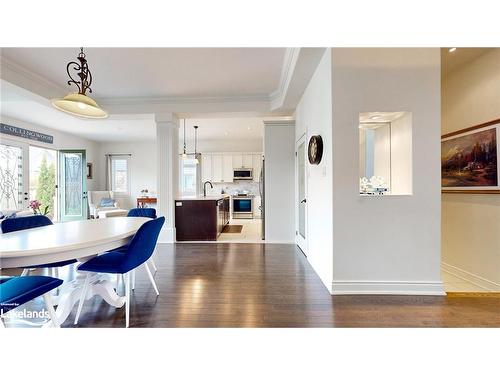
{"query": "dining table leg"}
(70, 293)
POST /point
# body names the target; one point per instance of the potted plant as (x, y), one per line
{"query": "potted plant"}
(36, 206)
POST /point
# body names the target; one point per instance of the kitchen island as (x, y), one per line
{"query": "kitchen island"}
(201, 218)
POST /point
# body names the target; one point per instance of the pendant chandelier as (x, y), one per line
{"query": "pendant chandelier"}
(186, 154)
(79, 104)
(196, 161)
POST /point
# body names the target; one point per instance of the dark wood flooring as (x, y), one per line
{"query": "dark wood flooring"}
(268, 285)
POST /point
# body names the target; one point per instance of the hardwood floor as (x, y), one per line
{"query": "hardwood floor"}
(268, 285)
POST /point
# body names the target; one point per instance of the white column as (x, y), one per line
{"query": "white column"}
(167, 154)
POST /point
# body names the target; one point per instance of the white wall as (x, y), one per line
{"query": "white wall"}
(62, 141)
(401, 155)
(471, 222)
(142, 166)
(382, 153)
(313, 116)
(386, 244)
(279, 182)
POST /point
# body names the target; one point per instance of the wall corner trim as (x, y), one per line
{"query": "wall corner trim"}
(423, 288)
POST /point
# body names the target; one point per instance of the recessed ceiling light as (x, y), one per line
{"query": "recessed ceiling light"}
(452, 49)
(249, 128)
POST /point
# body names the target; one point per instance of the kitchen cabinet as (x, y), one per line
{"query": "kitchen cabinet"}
(242, 161)
(201, 219)
(216, 168)
(247, 161)
(206, 167)
(227, 168)
(237, 161)
(222, 168)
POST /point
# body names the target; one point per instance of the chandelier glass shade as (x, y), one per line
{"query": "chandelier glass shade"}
(79, 104)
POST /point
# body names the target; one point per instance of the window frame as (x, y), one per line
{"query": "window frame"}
(112, 177)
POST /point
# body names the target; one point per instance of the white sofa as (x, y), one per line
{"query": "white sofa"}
(95, 201)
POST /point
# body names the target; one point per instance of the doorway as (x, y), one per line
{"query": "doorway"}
(301, 194)
(42, 174)
(13, 181)
(72, 185)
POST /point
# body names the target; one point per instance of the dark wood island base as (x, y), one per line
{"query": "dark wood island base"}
(201, 219)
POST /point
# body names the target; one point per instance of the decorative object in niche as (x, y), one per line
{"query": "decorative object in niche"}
(385, 153)
(376, 185)
(469, 159)
(315, 149)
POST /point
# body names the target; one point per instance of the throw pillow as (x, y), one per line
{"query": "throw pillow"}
(107, 202)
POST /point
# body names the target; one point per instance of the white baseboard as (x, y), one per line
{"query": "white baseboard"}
(167, 235)
(423, 288)
(470, 277)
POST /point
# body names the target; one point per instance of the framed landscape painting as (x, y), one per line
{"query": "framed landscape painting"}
(470, 160)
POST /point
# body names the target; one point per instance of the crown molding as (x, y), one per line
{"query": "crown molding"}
(277, 97)
(22, 77)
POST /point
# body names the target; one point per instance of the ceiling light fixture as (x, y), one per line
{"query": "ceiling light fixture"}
(79, 104)
(184, 153)
(375, 117)
(452, 49)
(196, 161)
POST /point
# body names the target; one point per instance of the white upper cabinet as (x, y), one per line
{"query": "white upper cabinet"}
(206, 167)
(257, 166)
(247, 161)
(217, 168)
(237, 161)
(227, 168)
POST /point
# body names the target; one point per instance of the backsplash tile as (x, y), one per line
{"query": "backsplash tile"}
(235, 187)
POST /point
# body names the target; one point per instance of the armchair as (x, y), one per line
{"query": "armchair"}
(95, 198)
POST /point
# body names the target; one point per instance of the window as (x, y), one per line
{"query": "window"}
(188, 177)
(120, 174)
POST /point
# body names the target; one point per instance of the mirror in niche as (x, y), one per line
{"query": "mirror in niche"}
(385, 153)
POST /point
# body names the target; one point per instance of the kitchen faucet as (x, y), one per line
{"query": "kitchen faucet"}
(205, 187)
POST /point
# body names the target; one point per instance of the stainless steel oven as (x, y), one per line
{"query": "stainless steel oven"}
(242, 207)
(242, 174)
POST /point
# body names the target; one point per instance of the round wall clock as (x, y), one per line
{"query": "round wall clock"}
(315, 149)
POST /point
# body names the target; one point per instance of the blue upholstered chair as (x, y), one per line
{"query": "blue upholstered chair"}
(28, 222)
(138, 251)
(16, 291)
(142, 212)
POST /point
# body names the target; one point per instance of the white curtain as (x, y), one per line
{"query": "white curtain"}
(108, 172)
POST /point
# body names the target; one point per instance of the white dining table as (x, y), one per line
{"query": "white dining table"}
(79, 240)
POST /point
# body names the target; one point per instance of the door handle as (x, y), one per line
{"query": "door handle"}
(303, 200)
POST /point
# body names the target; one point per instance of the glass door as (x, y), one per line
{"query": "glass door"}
(13, 179)
(301, 194)
(42, 179)
(73, 190)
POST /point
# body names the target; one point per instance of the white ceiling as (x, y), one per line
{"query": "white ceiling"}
(451, 61)
(22, 105)
(212, 129)
(162, 72)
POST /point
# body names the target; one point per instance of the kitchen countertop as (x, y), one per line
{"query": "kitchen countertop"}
(202, 198)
